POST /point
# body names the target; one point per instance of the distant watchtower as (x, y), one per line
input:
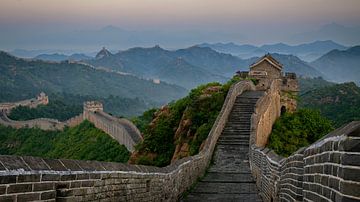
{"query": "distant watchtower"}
(93, 106)
(42, 98)
(267, 69)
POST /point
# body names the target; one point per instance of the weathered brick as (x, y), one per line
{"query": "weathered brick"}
(82, 176)
(75, 184)
(71, 165)
(29, 178)
(7, 198)
(35, 163)
(95, 176)
(87, 183)
(43, 186)
(7, 179)
(28, 197)
(349, 188)
(2, 190)
(350, 159)
(68, 177)
(55, 164)
(50, 177)
(64, 192)
(62, 185)
(19, 188)
(48, 195)
(352, 174)
(13, 162)
(350, 145)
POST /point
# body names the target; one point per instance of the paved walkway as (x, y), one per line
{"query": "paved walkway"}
(229, 177)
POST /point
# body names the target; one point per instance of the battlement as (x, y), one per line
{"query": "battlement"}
(93, 106)
(42, 98)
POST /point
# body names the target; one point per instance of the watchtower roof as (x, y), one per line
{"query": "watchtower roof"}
(270, 59)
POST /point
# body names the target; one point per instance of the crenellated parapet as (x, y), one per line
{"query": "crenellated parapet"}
(72, 180)
(41, 99)
(325, 171)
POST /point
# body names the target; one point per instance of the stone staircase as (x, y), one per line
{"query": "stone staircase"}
(229, 177)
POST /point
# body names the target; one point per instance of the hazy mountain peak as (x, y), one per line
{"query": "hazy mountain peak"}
(103, 53)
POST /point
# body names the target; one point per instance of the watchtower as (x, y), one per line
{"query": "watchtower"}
(265, 71)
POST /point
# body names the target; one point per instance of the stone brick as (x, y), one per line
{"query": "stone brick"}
(55, 164)
(19, 188)
(7, 179)
(68, 177)
(351, 189)
(90, 165)
(2, 168)
(29, 178)
(2, 190)
(43, 186)
(35, 163)
(62, 185)
(350, 159)
(71, 165)
(50, 177)
(13, 163)
(7, 198)
(87, 183)
(82, 176)
(350, 145)
(64, 192)
(66, 199)
(75, 184)
(28, 197)
(48, 195)
(95, 176)
(352, 174)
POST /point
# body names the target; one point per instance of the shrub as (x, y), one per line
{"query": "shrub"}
(300, 129)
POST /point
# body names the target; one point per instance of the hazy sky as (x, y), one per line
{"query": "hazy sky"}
(255, 21)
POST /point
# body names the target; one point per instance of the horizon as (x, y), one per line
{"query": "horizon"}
(88, 25)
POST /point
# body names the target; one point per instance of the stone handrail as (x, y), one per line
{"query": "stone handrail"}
(45, 179)
(267, 110)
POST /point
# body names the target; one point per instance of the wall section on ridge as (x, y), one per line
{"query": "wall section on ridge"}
(71, 180)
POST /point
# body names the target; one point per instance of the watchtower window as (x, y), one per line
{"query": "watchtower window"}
(283, 110)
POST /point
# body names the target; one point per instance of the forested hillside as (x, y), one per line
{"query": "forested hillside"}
(180, 128)
(63, 106)
(22, 79)
(83, 142)
(340, 102)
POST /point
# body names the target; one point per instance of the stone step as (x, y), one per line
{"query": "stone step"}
(226, 188)
(227, 177)
(223, 197)
(233, 140)
(236, 129)
(233, 143)
(228, 137)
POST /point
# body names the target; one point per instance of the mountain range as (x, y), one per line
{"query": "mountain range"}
(340, 65)
(306, 51)
(21, 79)
(191, 66)
(186, 67)
(56, 57)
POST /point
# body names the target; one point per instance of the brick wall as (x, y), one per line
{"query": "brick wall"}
(327, 170)
(34, 178)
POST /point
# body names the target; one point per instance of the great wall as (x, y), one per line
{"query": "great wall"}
(243, 169)
(121, 130)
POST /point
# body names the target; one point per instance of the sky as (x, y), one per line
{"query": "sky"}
(188, 21)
